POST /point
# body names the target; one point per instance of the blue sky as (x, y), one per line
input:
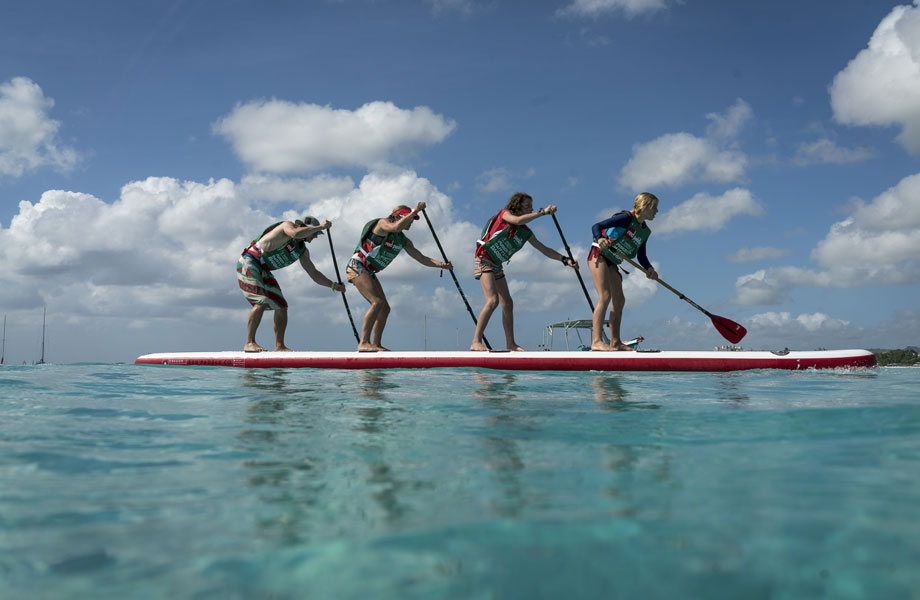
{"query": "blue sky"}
(142, 145)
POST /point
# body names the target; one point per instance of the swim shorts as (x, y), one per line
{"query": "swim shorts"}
(258, 285)
(356, 267)
(484, 265)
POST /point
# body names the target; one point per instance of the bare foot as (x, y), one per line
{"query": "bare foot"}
(253, 347)
(602, 347)
(381, 348)
(621, 347)
(478, 347)
(366, 346)
(282, 348)
(516, 348)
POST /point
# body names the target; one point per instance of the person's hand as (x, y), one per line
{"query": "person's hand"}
(651, 274)
(570, 262)
(326, 224)
(447, 265)
(604, 243)
(549, 209)
(420, 207)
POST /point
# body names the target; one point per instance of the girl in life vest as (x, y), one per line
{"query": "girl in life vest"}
(503, 235)
(382, 239)
(625, 233)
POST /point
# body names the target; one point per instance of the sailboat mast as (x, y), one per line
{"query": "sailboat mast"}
(41, 361)
(3, 351)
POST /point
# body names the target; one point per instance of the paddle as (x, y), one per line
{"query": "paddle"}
(572, 258)
(731, 331)
(339, 277)
(457, 283)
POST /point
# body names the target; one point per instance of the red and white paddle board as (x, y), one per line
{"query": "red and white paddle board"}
(645, 360)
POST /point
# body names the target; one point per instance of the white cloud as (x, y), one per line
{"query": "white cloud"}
(730, 124)
(678, 158)
(825, 151)
(879, 244)
(704, 212)
(28, 136)
(757, 253)
(494, 180)
(597, 8)
(881, 86)
(165, 250)
(283, 137)
(810, 322)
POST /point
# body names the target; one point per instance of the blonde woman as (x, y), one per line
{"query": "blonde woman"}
(625, 232)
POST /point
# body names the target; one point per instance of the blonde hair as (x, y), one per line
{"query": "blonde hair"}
(644, 200)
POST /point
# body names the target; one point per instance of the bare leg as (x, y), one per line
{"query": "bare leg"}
(252, 325)
(280, 327)
(487, 280)
(618, 301)
(600, 273)
(507, 304)
(375, 318)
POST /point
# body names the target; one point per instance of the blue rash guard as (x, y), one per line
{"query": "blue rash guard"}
(620, 220)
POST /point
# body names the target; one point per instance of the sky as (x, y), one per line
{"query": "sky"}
(143, 145)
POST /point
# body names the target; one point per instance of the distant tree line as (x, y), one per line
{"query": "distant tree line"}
(906, 356)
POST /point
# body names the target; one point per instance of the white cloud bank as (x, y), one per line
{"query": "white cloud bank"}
(878, 244)
(881, 86)
(757, 253)
(675, 159)
(283, 137)
(707, 213)
(597, 8)
(28, 136)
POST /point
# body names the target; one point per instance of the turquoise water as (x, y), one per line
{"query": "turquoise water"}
(123, 481)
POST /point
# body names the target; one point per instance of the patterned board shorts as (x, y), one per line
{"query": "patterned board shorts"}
(356, 267)
(258, 285)
(484, 265)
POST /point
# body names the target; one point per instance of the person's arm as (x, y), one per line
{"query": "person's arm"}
(524, 219)
(293, 231)
(617, 220)
(644, 261)
(316, 276)
(403, 223)
(550, 253)
(412, 251)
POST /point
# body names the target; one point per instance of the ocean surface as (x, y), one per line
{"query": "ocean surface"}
(124, 481)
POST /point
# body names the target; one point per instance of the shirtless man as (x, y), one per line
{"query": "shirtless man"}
(280, 245)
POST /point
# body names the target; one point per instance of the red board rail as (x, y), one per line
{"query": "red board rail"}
(670, 360)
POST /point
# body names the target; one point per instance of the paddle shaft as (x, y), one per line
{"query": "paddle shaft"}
(457, 283)
(679, 295)
(572, 258)
(339, 277)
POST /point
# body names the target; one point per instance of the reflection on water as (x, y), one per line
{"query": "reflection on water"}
(730, 389)
(495, 392)
(611, 395)
(379, 420)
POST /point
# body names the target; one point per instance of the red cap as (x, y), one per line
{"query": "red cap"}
(402, 212)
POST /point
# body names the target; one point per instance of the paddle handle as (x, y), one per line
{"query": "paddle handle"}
(339, 278)
(456, 283)
(572, 258)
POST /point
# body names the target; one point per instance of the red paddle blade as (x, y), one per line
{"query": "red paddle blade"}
(730, 330)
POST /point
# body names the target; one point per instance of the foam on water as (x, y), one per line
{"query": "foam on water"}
(148, 482)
